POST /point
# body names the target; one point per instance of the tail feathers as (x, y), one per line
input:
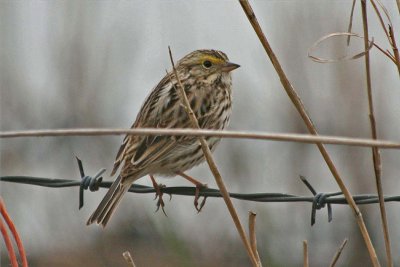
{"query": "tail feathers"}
(109, 203)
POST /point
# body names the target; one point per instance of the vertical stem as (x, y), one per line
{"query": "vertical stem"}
(214, 168)
(376, 156)
(252, 235)
(307, 120)
(305, 253)
(394, 47)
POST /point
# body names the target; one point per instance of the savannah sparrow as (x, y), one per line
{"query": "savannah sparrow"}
(205, 76)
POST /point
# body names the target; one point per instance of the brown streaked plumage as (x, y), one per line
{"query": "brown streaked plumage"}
(205, 76)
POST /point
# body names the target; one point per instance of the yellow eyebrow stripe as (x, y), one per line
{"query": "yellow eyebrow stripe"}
(214, 60)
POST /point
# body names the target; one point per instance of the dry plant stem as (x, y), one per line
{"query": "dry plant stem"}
(305, 253)
(213, 168)
(349, 28)
(398, 5)
(386, 53)
(376, 156)
(394, 47)
(301, 109)
(338, 253)
(340, 59)
(388, 32)
(252, 235)
(379, 16)
(303, 138)
(128, 258)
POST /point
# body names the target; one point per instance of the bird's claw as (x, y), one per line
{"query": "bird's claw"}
(159, 195)
(197, 197)
(160, 203)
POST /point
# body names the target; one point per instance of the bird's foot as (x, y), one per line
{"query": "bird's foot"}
(199, 186)
(159, 195)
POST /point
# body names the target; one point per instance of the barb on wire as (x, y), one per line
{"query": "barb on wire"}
(87, 182)
(93, 183)
(319, 200)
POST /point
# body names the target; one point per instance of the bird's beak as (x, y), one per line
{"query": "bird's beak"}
(229, 66)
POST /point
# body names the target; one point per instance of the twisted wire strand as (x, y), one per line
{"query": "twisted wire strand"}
(93, 183)
(206, 192)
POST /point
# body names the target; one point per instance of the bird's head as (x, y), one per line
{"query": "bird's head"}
(206, 64)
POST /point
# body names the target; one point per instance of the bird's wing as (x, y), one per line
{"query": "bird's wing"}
(120, 155)
(158, 111)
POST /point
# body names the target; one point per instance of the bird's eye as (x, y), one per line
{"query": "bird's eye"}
(207, 64)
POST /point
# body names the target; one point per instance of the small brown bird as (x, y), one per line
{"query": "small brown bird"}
(205, 76)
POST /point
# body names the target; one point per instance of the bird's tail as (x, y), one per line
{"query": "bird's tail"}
(109, 203)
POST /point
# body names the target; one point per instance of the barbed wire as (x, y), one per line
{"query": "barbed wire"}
(304, 138)
(93, 183)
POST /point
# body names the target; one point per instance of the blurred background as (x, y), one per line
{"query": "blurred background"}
(72, 64)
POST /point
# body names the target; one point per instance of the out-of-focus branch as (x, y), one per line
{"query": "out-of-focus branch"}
(7, 239)
(128, 258)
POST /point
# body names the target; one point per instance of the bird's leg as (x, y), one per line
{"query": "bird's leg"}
(199, 186)
(159, 194)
